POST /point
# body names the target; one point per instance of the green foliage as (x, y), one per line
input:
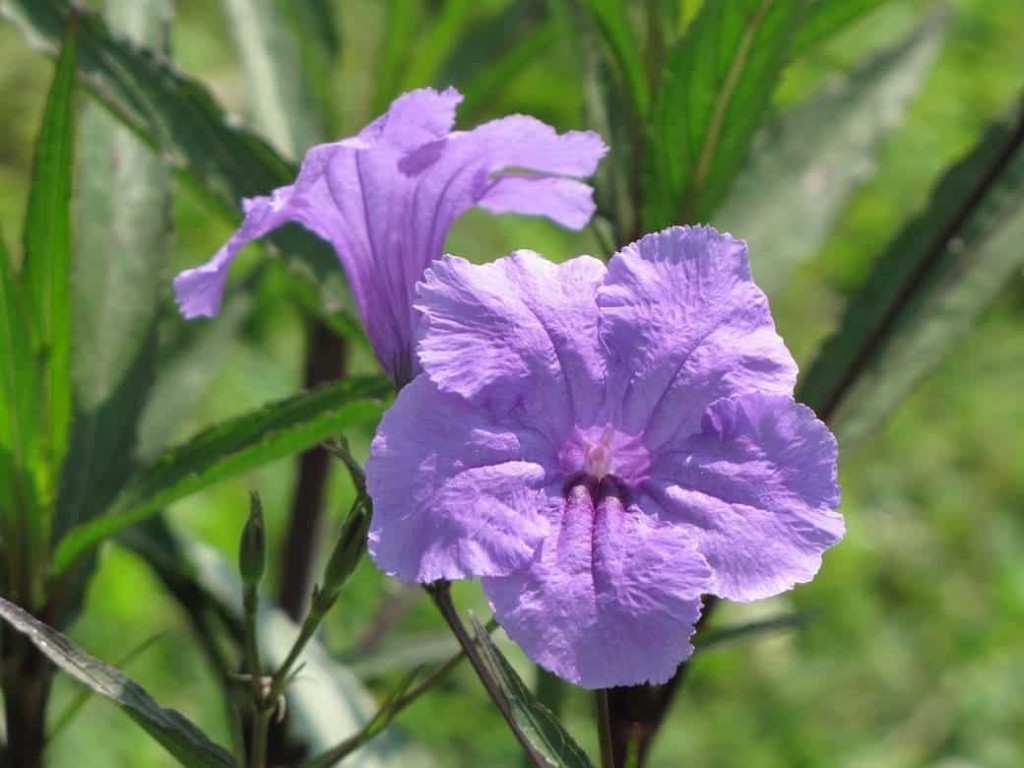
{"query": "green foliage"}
(807, 162)
(175, 733)
(552, 744)
(46, 270)
(927, 289)
(718, 82)
(121, 258)
(227, 449)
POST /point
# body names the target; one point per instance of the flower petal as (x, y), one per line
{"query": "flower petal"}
(454, 494)
(198, 291)
(758, 486)
(684, 325)
(610, 599)
(520, 332)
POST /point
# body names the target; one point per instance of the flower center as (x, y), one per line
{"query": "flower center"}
(599, 457)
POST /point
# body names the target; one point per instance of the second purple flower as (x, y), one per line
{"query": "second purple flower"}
(386, 198)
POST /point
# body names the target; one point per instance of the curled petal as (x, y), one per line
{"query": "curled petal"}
(757, 485)
(521, 331)
(684, 325)
(609, 600)
(454, 494)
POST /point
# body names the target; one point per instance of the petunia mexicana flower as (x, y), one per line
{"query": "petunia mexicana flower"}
(603, 445)
(386, 198)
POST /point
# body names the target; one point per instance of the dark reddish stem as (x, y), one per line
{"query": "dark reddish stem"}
(325, 361)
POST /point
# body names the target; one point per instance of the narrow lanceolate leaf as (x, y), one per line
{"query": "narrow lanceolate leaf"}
(228, 449)
(190, 746)
(545, 733)
(19, 408)
(611, 17)
(282, 105)
(928, 287)
(180, 118)
(120, 270)
(826, 18)
(46, 270)
(803, 169)
(716, 85)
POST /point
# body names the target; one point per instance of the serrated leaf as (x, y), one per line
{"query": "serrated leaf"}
(826, 18)
(190, 746)
(282, 106)
(122, 241)
(46, 269)
(235, 446)
(181, 119)
(716, 85)
(18, 398)
(927, 288)
(803, 169)
(545, 733)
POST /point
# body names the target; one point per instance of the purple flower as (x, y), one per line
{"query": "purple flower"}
(386, 198)
(603, 445)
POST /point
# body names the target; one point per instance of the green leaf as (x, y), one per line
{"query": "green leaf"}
(716, 86)
(18, 398)
(504, 49)
(314, 23)
(805, 166)
(122, 244)
(228, 449)
(611, 17)
(282, 106)
(926, 290)
(404, 19)
(543, 730)
(826, 18)
(180, 118)
(185, 373)
(190, 746)
(46, 270)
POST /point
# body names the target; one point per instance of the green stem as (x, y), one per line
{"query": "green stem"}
(260, 715)
(440, 591)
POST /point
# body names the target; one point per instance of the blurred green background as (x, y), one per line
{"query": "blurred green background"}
(915, 652)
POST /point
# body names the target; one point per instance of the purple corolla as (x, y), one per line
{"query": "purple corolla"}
(386, 198)
(603, 445)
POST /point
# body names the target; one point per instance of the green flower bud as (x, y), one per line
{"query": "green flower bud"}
(252, 551)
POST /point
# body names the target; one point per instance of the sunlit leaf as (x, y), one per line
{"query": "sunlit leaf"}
(46, 270)
(122, 239)
(238, 445)
(18, 397)
(825, 18)
(804, 167)
(717, 83)
(927, 288)
(190, 746)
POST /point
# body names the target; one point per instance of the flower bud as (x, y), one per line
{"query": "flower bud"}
(252, 551)
(348, 550)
